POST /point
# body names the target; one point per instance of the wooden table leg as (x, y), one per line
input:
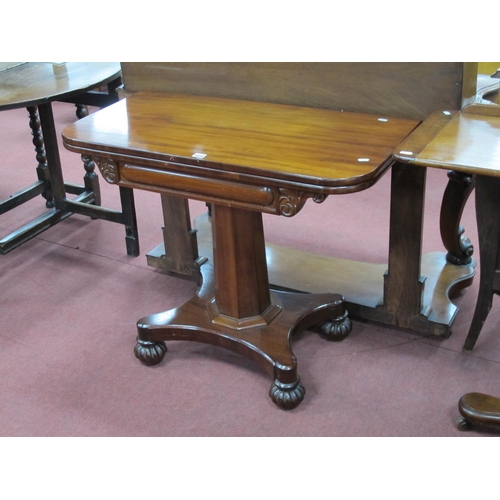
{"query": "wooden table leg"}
(88, 196)
(178, 254)
(41, 156)
(403, 283)
(488, 228)
(477, 408)
(404, 292)
(235, 309)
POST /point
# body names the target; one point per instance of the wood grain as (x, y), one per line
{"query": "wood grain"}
(316, 147)
(468, 142)
(403, 90)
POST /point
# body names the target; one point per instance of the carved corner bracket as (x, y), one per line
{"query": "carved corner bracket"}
(291, 202)
(108, 169)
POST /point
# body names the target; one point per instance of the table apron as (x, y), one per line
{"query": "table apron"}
(198, 186)
(272, 199)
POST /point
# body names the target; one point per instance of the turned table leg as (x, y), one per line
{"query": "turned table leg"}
(41, 155)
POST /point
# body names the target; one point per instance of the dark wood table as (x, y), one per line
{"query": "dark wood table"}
(272, 161)
(469, 142)
(35, 85)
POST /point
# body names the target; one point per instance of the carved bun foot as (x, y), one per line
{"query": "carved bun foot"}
(337, 329)
(287, 396)
(150, 353)
(464, 424)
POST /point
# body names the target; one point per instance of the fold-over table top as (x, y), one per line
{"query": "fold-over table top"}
(317, 147)
(466, 141)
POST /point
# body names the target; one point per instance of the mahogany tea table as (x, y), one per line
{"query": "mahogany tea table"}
(245, 158)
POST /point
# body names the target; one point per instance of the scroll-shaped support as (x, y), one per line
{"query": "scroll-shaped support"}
(458, 190)
(488, 228)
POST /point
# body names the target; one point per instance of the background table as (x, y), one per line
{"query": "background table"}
(35, 86)
(411, 290)
(469, 142)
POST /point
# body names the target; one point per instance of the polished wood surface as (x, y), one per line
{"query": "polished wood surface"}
(401, 90)
(410, 90)
(326, 150)
(250, 301)
(247, 157)
(465, 142)
(469, 142)
(488, 89)
(478, 409)
(488, 228)
(361, 283)
(34, 83)
(35, 86)
(266, 342)
(151, 141)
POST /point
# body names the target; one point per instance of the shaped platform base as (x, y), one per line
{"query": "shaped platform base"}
(268, 345)
(361, 283)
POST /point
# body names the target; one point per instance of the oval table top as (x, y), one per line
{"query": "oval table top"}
(34, 83)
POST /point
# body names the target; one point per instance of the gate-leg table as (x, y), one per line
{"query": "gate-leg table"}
(245, 158)
(35, 86)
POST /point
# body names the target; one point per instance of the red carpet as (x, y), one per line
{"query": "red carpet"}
(70, 299)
